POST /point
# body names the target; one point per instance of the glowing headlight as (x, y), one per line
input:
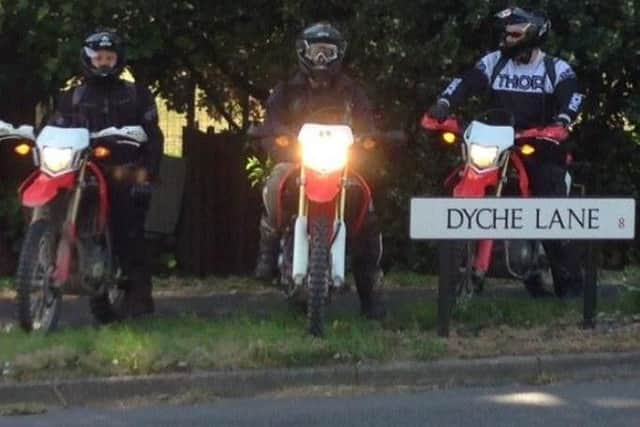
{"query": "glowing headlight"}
(325, 149)
(56, 159)
(483, 157)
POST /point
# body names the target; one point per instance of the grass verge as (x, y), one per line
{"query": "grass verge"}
(484, 327)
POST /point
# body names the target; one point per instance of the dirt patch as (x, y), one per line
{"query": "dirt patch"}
(561, 336)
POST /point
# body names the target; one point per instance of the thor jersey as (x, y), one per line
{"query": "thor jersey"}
(535, 94)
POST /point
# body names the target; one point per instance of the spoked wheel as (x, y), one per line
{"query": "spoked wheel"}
(318, 276)
(537, 285)
(455, 285)
(110, 304)
(456, 272)
(38, 300)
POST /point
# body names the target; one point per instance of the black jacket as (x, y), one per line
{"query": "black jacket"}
(101, 104)
(295, 102)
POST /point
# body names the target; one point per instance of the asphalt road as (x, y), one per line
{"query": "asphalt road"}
(599, 404)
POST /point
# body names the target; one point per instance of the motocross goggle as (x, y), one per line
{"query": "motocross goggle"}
(321, 53)
(516, 32)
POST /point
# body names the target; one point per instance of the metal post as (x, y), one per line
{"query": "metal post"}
(590, 286)
(445, 288)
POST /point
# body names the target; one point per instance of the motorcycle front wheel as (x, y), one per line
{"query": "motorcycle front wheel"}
(318, 276)
(37, 299)
(456, 273)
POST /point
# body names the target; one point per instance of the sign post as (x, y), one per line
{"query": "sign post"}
(456, 219)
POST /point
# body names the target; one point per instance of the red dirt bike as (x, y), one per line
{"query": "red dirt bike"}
(68, 247)
(492, 153)
(314, 243)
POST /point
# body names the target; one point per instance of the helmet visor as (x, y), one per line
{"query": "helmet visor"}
(321, 53)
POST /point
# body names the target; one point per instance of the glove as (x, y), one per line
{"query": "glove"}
(440, 110)
(141, 188)
(141, 191)
(562, 120)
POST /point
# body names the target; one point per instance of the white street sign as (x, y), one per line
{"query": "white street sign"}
(520, 218)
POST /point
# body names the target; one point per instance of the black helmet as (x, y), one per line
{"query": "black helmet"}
(102, 40)
(320, 49)
(523, 31)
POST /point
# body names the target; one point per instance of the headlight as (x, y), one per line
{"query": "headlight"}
(325, 149)
(57, 159)
(483, 157)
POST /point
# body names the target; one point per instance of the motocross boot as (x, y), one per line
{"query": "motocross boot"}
(266, 264)
(369, 284)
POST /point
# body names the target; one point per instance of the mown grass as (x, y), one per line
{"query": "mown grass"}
(6, 283)
(190, 343)
(245, 340)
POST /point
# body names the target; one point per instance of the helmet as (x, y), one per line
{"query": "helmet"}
(102, 40)
(320, 49)
(523, 31)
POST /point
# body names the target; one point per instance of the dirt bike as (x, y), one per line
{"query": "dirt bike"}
(492, 153)
(67, 248)
(314, 242)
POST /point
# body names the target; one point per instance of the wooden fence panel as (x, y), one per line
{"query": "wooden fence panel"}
(218, 231)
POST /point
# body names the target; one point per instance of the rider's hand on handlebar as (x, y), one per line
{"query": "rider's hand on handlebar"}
(141, 188)
(283, 141)
(440, 110)
(561, 121)
(369, 143)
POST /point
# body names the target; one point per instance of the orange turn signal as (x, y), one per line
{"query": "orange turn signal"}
(369, 143)
(101, 152)
(449, 137)
(527, 150)
(22, 149)
(282, 141)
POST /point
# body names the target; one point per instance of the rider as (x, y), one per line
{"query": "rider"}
(104, 100)
(319, 84)
(539, 90)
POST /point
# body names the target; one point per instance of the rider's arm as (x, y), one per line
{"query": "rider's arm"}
(63, 109)
(276, 125)
(148, 116)
(473, 82)
(363, 120)
(568, 99)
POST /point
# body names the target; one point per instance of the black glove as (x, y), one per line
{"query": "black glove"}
(440, 110)
(141, 187)
(561, 121)
(141, 191)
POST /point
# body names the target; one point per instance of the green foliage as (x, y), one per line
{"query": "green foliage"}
(404, 52)
(258, 170)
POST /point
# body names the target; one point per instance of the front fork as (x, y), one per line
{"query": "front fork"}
(69, 233)
(301, 236)
(484, 248)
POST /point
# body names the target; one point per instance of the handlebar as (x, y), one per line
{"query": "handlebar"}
(554, 133)
(451, 124)
(135, 134)
(7, 131)
(393, 136)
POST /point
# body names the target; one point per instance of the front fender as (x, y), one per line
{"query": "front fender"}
(321, 188)
(474, 183)
(40, 189)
